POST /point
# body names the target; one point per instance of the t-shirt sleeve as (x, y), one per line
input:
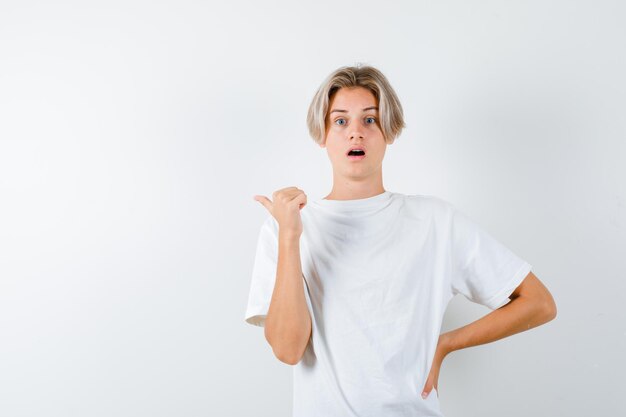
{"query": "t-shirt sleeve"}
(263, 273)
(483, 269)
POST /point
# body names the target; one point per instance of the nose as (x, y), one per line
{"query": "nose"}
(356, 134)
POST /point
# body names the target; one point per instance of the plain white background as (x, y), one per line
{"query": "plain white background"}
(133, 135)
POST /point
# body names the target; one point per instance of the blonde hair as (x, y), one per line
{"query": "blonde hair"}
(390, 109)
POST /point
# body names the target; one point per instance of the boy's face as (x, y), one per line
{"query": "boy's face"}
(356, 125)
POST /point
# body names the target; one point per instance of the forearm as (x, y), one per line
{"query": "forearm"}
(288, 323)
(520, 314)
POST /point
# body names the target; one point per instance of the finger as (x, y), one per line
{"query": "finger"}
(426, 390)
(301, 200)
(292, 191)
(289, 190)
(267, 203)
(291, 195)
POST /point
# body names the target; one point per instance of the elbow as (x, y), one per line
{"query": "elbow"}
(549, 309)
(289, 359)
(286, 353)
(288, 347)
(552, 311)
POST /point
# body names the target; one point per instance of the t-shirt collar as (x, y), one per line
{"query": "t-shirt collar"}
(356, 204)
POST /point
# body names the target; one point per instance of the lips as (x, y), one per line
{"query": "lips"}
(353, 148)
(358, 153)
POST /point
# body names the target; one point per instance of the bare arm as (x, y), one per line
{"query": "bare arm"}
(288, 323)
(531, 305)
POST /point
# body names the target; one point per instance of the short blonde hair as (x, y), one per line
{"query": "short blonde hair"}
(390, 109)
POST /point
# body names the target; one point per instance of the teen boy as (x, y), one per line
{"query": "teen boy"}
(352, 288)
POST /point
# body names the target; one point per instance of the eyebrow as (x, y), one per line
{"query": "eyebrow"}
(345, 111)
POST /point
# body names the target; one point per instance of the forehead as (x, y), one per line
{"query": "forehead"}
(352, 98)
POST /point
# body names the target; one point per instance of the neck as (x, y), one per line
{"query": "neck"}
(352, 190)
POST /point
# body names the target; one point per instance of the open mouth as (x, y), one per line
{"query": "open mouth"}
(356, 153)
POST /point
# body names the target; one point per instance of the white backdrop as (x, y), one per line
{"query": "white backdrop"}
(133, 135)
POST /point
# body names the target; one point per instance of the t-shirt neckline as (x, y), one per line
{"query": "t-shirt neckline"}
(356, 204)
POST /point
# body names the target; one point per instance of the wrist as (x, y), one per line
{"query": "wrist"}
(288, 236)
(447, 343)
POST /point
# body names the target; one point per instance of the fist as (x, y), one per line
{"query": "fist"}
(285, 207)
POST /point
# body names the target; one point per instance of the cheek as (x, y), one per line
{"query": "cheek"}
(380, 151)
(335, 152)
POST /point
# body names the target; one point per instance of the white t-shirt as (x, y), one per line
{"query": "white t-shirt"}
(378, 274)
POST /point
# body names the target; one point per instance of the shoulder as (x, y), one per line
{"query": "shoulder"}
(430, 204)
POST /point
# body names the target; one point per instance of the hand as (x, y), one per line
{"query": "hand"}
(286, 208)
(433, 375)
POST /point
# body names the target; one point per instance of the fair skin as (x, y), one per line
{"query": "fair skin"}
(531, 303)
(288, 323)
(353, 121)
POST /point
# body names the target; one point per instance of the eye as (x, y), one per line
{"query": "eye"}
(340, 120)
(373, 120)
